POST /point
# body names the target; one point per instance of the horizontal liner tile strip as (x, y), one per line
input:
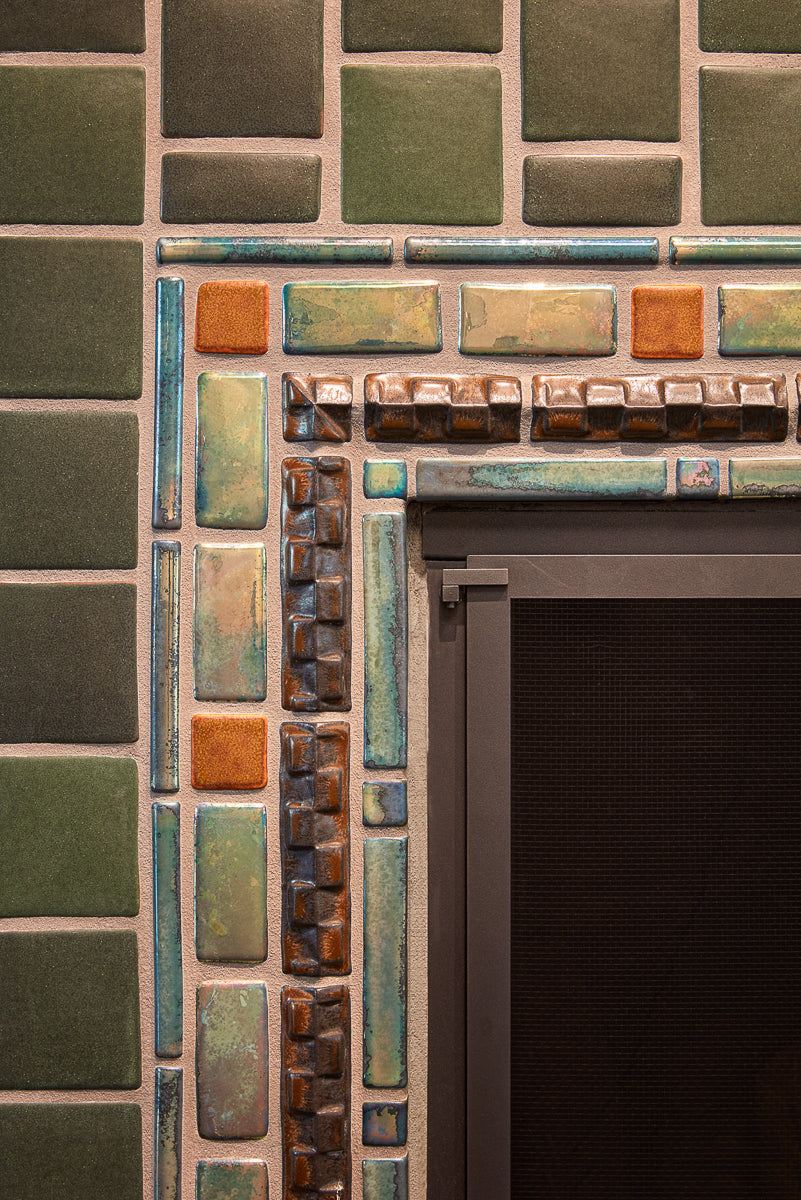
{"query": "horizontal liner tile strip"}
(745, 250)
(318, 250)
(768, 478)
(168, 955)
(529, 479)
(556, 251)
(169, 425)
(169, 1103)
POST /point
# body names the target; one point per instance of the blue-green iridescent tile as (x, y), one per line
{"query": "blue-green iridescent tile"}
(169, 418)
(384, 802)
(167, 947)
(386, 650)
(385, 866)
(385, 479)
(385, 1178)
(384, 1123)
(530, 479)
(168, 1135)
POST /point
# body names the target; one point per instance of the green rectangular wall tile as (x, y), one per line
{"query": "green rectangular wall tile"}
(80, 25)
(384, 1124)
(762, 26)
(384, 802)
(537, 318)
(169, 417)
(231, 1179)
(78, 686)
(385, 962)
(760, 319)
(230, 658)
(231, 882)
(386, 649)
(164, 666)
(198, 187)
(69, 844)
(167, 947)
(385, 1179)
(59, 296)
(361, 318)
(69, 1010)
(529, 479)
(168, 1139)
(422, 25)
(231, 451)
(768, 478)
(232, 1059)
(601, 189)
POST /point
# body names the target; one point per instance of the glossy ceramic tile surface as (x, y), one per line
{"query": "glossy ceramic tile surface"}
(742, 250)
(697, 478)
(441, 25)
(764, 478)
(82, 25)
(232, 1073)
(542, 251)
(667, 322)
(48, 978)
(361, 318)
(537, 318)
(596, 189)
(769, 26)
(165, 618)
(69, 844)
(442, 408)
(60, 295)
(230, 656)
(384, 479)
(385, 640)
(229, 752)
(68, 496)
(168, 1133)
(81, 159)
(384, 1124)
(385, 962)
(321, 251)
(760, 319)
(232, 317)
(167, 945)
(231, 882)
(317, 407)
(231, 451)
(531, 479)
(231, 1179)
(169, 414)
(80, 686)
(385, 1178)
(199, 187)
(384, 802)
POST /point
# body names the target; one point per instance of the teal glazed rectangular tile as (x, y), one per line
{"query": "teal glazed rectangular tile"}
(60, 295)
(361, 318)
(231, 882)
(69, 1016)
(80, 686)
(698, 478)
(385, 1178)
(167, 1149)
(384, 1124)
(69, 844)
(199, 188)
(555, 251)
(164, 666)
(81, 25)
(68, 490)
(167, 944)
(602, 189)
(231, 451)
(90, 1149)
(759, 319)
(537, 318)
(386, 648)
(764, 478)
(772, 26)
(687, 251)
(386, 478)
(232, 1077)
(294, 251)
(230, 656)
(530, 479)
(231, 1179)
(72, 145)
(384, 802)
(169, 418)
(385, 866)
(442, 25)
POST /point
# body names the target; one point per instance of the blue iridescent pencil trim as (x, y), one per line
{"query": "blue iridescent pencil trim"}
(317, 250)
(169, 403)
(167, 1149)
(165, 628)
(691, 250)
(556, 251)
(167, 951)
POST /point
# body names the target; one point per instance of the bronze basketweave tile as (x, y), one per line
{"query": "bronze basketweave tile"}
(601, 189)
(767, 26)
(667, 322)
(93, 25)
(317, 407)
(442, 408)
(422, 25)
(198, 187)
(232, 317)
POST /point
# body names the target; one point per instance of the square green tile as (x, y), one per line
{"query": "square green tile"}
(750, 145)
(595, 70)
(68, 489)
(750, 25)
(69, 1010)
(72, 145)
(198, 187)
(71, 1151)
(69, 845)
(68, 662)
(422, 25)
(71, 316)
(80, 25)
(422, 145)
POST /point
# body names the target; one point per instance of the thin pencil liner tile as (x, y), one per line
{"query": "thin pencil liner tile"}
(555, 251)
(256, 250)
(231, 1179)
(168, 1133)
(528, 479)
(167, 945)
(169, 418)
(232, 1080)
(689, 250)
(386, 647)
(385, 962)
(537, 318)
(231, 882)
(198, 187)
(230, 655)
(361, 318)
(760, 319)
(385, 1178)
(231, 451)
(164, 666)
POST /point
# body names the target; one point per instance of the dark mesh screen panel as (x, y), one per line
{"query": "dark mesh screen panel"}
(656, 900)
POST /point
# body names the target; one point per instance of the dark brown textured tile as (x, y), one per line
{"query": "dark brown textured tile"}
(601, 189)
(199, 187)
(317, 407)
(93, 25)
(442, 408)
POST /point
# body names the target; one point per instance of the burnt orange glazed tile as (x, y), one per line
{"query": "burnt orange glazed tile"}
(228, 752)
(667, 322)
(232, 317)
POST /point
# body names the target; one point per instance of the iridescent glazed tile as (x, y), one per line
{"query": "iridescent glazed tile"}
(384, 1124)
(229, 753)
(168, 1139)
(698, 478)
(760, 319)
(602, 189)
(167, 946)
(295, 251)
(385, 479)
(230, 656)
(385, 962)
(317, 408)
(81, 25)
(232, 317)
(537, 318)
(231, 1179)
(764, 478)
(164, 664)
(555, 251)
(529, 479)
(169, 428)
(232, 1076)
(385, 1178)
(198, 187)
(231, 882)
(386, 650)
(231, 451)
(361, 318)
(667, 321)
(384, 802)
(744, 250)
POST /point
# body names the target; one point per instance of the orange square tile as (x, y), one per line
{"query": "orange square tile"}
(667, 322)
(232, 317)
(228, 752)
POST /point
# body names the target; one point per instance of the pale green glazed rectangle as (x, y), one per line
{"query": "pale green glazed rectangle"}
(231, 1179)
(760, 319)
(231, 1059)
(231, 451)
(764, 478)
(537, 318)
(528, 479)
(231, 882)
(385, 1178)
(385, 866)
(230, 654)
(361, 318)
(386, 648)
(168, 957)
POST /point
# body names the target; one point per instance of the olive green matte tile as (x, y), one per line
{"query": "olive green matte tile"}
(595, 70)
(231, 882)
(361, 318)
(750, 145)
(71, 1151)
(422, 25)
(250, 69)
(69, 845)
(230, 650)
(198, 187)
(68, 662)
(537, 318)
(606, 190)
(750, 25)
(71, 316)
(93, 25)
(422, 144)
(759, 319)
(232, 1064)
(72, 145)
(231, 1179)
(231, 451)
(69, 1010)
(68, 489)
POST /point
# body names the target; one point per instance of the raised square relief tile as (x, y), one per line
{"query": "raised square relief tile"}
(415, 25)
(422, 145)
(385, 1179)
(385, 478)
(384, 1124)
(228, 752)
(69, 1010)
(232, 317)
(385, 962)
(230, 656)
(598, 189)
(231, 882)
(361, 318)
(384, 802)
(667, 322)
(766, 26)
(537, 318)
(231, 1179)
(317, 408)
(231, 451)
(232, 1071)
(442, 408)
(198, 187)
(697, 478)
(760, 319)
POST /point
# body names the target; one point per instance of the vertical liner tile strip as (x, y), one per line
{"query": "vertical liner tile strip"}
(168, 1106)
(385, 640)
(167, 951)
(385, 867)
(164, 639)
(168, 434)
